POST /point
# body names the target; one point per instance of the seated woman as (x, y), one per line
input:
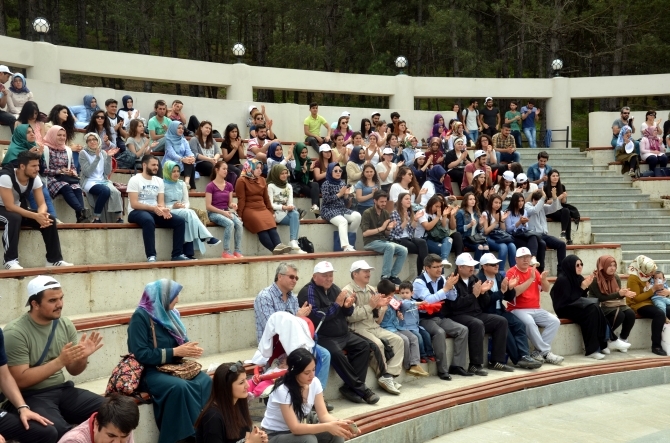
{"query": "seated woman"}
(62, 177)
(337, 198)
(355, 164)
(365, 188)
(205, 149)
(481, 189)
(516, 224)
(386, 169)
(469, 222)
(276, 156)
(255, 207)
(373, 151)
(456, 160)
(640, 271)
(405, 182)
(128, 113)
(624, 152)
(18, 94)
(420, 167)
(563, 214)
(569, 296)
(341, 153)
(221, 209)
(176, 199)
(496, 235)
(606, 287)
(28, 115)
(435, 184)
(178, 151)
(303, 176)
(435, 151)
(285, 212)
(292, 399)
(157, 336)
(233, 151)
(96, 166)
(138, 142)
(410, 150)
(343, 128)
(225, 418)
(525, 186)
(393, 143)
(438, 228)
(505, 188)
(322, 163)
(60, 115)
(83, 114)
(406, 221)
(652, 150)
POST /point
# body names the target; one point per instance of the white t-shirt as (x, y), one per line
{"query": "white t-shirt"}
(147, 190)
(273, 419)
(542, 173)
(6, 182)
(380, 167)
(431, 191)
(471, 120)
(396, 190)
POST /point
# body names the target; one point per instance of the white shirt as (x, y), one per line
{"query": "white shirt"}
(542, 172)
(147, 190)
(98, 176)
(396, 190)
(380, 167)
(273, 419)
(6, 182)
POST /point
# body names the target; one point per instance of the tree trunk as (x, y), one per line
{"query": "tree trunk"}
(81, 23)
(454, 43)
(502, 54)
(518, 72)
(419, 22)
(3, 22)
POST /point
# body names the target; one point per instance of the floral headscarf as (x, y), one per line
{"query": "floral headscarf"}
(249, 167)
(156, 301)
(643, 267)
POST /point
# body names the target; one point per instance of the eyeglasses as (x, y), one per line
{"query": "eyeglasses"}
(337, 171)
(292, 277)
(493, 265)
(579, 265)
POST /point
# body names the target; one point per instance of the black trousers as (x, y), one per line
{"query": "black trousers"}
(563, 216)
(456, 243)
(416, 246)
(353, 367)
(377, 354)
(481, 324)
(311, 189)
(189, 171)
(456, 175)
(553, 243)
(592, 323)
(537, 246)
(12, 429)
(657, 321)
(517, 339)
(7, 119)
(625, 319)
(10, 238)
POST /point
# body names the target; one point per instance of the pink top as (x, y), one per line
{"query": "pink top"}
(84, 433)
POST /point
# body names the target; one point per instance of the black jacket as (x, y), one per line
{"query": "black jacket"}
(324, 307)
(496, 296)
(466, 303)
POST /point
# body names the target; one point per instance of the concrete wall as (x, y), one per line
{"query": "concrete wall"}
(600, 125)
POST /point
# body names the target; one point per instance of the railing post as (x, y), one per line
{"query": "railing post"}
(567, 136)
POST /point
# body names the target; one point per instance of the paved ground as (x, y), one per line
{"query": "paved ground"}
(635, 416)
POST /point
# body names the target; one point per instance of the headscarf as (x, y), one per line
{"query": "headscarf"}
(434, 175)
(569, 268)
(329, 174)
(20, 141)
(274, 176)
(436, 131)
(50, 139)
(271, 152)
(626, 129)
(654, 142)
(606, 283)
(297, 149)
(642, 266)
(568, 286)
(124, 100)
(355, 156)
(87, 104)
(176, 141)
(168, 166)
(86, 147)
(436, 119)
(156, 301)
(23, 88)
(249, 167)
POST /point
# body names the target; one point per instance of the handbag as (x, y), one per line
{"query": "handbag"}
(500, 236)
(125, 378)
(438, 233)
(306, 245)
(184, 369)
(69, 179)
(477, 238)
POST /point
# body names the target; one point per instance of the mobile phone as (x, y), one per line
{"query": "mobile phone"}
(354, 428)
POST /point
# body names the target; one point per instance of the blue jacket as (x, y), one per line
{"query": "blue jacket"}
(533, 172)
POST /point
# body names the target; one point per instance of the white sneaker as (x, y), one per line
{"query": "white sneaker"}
(58, 263)
(349, 248)
(618, 345)
(13, 265)
(446, 264)
(294, 244)
(388, 385)
(596, 355)
(605, 351)
(534, 262)
(553, 359)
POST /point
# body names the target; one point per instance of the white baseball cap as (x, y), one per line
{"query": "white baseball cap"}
(358, 265)
(487, 99)
(4, 68)
(477, 173)
(509, 176)
(479, 153)
(345, 114)
(489, 259)
(41, 283)
(522, 252)
(521, 178)
(387, 151)
(324, 147)
(419, 154)
(252, 107)
(323, 266)
(375, 113)
(466, 259)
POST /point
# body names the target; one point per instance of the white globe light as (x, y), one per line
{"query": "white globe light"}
(401, 62)
(238, 49)
(41, 25)
(557, 64)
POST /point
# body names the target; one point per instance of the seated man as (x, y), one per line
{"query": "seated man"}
(625, 119)
(39, 344)
(537, 210)
(115, 421)
(261, 118)
(362, 322)
(376, 226)
(432, 287)
(505, 145)
(479, 163)
(146, 207)
(467, 310)
(517, 340)
(16, 184)
(116, 124)
(6, 118)
(540, 171)
(158, 125)
(279, 297)
(330, 307)
(176, 112)
(524, 303)
(312, 128)
(258, 147)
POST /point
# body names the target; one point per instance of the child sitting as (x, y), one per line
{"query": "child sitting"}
(410, 322)
(388, 317)
(260, 386)
(660, 298)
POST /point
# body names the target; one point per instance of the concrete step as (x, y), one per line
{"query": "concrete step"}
(653, 246)
(663, 265)
(605, 198)
(656, 234)
(615, 229)
(598, 182)
(607, 215)
(655, 254)
(594, 207)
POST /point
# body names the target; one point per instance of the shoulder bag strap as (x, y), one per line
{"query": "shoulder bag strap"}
(153, 331)
(54, 325)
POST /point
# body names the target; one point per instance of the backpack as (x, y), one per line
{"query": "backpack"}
(467, 111)
(125, 378)
(8, 169)
(306, 245)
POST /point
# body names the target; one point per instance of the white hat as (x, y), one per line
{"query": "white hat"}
(345, 114)
(252, 107)
(509, 176)
(358, 265)
(387, 151)
(375, 113)
(41, 283)
(4, 68)
(477, 173)
(419, 154)
(521, 178)
(466, 259)
(489, 259)
(322, 267)
(479, 153)
(487, 99)
(521, 252)
(324, 148)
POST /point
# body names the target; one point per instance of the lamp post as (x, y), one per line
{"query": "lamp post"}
(238, 51)
(41, 26)
(401, 63)
(556, 66)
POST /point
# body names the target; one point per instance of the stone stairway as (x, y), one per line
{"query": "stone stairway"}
(619, 212)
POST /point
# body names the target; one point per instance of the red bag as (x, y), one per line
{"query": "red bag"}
(125, 378)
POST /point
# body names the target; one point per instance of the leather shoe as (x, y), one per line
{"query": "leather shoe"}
(457, 370)
(350, 395)
(445, 377)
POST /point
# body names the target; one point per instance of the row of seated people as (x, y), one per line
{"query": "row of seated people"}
(650, 148)
(37, 347)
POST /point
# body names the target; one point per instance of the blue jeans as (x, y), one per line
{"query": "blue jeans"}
(292, 219)
(148, 222)
(102, 194)
(443, 249)
(504, 250)
(228, 226)
(324, 369)
(517, 138)
(474, 135)
(47, 199)
(530, 135)
(508, 158)
(389, 249)
(425, 345)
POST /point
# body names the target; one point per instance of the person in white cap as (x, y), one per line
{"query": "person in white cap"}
(345, 116)
(456, 160)
(330, 307)
(505, 188)
(362, 322)
(526, 306)
(6, 118)
(320, 166)
(478, 164)
(489, 118)
(501, 291)
(312, 127)
(386, 169)
(505, 146)
(40, 344)
(375, 116)
(467, 309)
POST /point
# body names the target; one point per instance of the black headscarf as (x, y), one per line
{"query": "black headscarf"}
(568, 286)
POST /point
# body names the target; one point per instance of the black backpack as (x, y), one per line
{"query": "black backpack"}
(8, 169)
(306, 245)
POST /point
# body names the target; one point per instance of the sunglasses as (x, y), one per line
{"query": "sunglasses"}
(292, 277)
(236, 367)
(579, 265)
(100, 117)
(336, 171)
